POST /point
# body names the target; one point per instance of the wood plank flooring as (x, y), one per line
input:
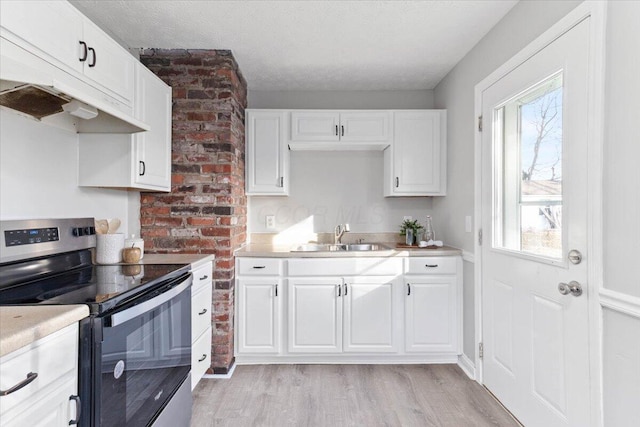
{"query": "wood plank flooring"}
(346, 395)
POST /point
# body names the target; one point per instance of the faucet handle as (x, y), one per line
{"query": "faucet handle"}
(346, 228)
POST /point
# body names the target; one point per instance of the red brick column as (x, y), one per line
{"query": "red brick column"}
(206, 211)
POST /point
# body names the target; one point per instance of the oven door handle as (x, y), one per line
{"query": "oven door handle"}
(135, 311)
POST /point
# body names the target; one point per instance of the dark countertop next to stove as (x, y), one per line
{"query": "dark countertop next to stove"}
(196, 260)
(21, 326)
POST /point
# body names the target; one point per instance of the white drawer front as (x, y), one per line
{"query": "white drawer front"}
(202, 276)
(200, 311)
(345, 266)
(51, 358)
(200, 357)
(259, 266)
(430, 265)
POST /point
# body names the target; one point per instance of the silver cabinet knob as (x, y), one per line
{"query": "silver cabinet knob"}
(574, 288)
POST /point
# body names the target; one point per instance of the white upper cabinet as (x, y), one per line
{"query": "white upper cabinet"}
(57, 32)
(152, 162)
(415, 163)
(317, 130)
(140, 161)
(315, 126)
(267, 155)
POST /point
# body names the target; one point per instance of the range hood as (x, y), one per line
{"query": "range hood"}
(33, 87)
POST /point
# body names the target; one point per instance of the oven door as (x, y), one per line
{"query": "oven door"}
(145, 356)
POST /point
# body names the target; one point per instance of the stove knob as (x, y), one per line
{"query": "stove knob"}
(78, 232)
(89, 231)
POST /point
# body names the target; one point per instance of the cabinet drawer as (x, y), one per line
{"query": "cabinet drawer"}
(200, 311)
(202, 276)
(430, 265)
(51, 358)
(345, 266)
(200, 357)
(259, 266)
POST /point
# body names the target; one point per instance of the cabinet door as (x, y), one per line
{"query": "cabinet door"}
(52, 28)
(364, 127)
(370, 314)
(430, 314)
(315, 126)
(152, 164)
(259, 317)
(108, 64)
(315, 315)
(267, 155)
(418, 155)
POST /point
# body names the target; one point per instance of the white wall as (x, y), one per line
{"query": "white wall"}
(38, 177)
(621, 332)
(526, 21)
(337, 187)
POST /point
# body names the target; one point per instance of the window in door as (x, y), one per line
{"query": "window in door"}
(527, 133)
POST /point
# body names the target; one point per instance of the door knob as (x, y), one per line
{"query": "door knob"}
(574, 288)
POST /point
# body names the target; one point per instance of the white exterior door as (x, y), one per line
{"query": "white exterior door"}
(534, 212)
(315, 315)
(369, 314)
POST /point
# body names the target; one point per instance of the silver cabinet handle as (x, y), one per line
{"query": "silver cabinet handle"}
(276, 289)
(76, 399)
(95, 58)
(339, 290)
(204, 356)
(143, 168)
(30, 377)
(85, 53)
(259, 266)
(205, 277)
(397, 182)
(282, 181)
(408, 289)
(336, 130)
(342, 130)
(431, 265)
(204, 310)
(346, 289)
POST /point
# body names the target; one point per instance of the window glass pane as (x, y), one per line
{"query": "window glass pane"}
(527, 134)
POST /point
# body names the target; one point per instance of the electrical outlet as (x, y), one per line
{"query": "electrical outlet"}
(407, 218)
(468, 225)
(270, 222)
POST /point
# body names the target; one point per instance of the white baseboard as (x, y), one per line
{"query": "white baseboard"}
(222, 376)
(467, 366)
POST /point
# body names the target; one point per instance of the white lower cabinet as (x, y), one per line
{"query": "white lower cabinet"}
(259, 315)
(201, 331)
(48, 400)
(430, 313)
(315, 315)
(291, 310)
(370, 312)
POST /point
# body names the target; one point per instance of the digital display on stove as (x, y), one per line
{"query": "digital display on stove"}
(30, 236)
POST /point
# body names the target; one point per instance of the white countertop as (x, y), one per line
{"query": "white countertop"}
(284, 251)
(20, 326)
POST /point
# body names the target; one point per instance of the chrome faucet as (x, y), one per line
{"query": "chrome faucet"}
(339, 232)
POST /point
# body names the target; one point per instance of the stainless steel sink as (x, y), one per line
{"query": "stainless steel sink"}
(315, 247)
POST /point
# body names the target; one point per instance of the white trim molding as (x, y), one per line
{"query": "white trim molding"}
(467, 366)
(468, 257)
(620, 302)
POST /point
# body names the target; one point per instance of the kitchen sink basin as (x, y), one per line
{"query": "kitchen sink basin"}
(354, 247)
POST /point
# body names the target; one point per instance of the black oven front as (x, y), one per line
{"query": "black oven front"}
(141, 354)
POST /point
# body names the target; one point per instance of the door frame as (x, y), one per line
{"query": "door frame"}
(596, 11)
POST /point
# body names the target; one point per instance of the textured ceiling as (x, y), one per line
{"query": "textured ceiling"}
(312, 45)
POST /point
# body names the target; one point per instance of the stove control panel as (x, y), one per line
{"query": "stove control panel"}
(31, 236)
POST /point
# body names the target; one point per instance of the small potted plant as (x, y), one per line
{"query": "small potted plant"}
(412, 225)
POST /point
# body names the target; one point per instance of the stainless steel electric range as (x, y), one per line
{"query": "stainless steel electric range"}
(135, 348)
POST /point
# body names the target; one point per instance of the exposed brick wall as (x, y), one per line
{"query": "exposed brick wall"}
(206, 211)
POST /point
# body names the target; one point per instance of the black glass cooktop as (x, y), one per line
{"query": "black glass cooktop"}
(102, 287)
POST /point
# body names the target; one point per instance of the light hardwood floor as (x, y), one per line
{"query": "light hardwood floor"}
(346, 395)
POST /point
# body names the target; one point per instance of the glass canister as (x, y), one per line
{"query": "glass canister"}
(429, 234)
